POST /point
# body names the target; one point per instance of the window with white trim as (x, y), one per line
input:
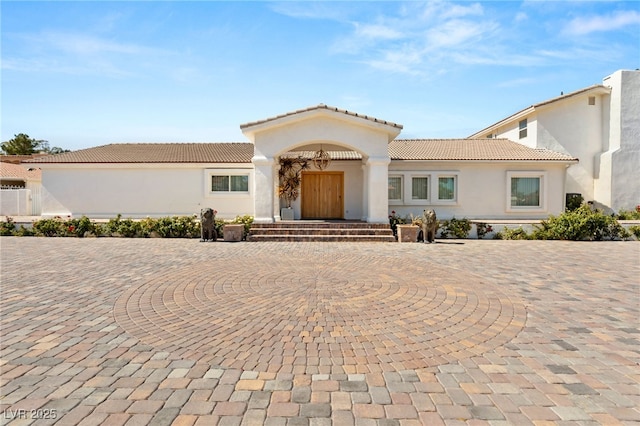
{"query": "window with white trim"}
(522, 129)
(420, 188)
(230, 183)
(526, 191)
(446, 188)
(395, 188)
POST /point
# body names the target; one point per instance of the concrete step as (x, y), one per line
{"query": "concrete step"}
(317, 230)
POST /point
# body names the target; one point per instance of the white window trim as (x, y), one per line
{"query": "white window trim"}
(209, 173)
(543, 191)
(397, 202)
(432, 175)
(436, 178)
(409, 189)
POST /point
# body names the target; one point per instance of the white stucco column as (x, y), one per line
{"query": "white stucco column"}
(377, 182)
(263, 189)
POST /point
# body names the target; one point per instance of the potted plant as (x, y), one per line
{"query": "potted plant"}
(289, 177)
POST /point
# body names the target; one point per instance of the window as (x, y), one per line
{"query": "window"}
(526, 191)
(230, 183)
(446, 188)
(420, 188)
(592, 100)
(522, 125)
(395, 188)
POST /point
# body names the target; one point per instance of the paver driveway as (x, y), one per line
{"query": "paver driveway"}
(151, 331)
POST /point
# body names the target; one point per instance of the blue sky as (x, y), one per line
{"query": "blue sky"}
(82, 74)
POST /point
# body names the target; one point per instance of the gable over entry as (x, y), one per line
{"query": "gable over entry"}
(321, 124)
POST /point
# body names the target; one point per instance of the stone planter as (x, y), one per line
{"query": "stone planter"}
(233, 232)
(286, 214)
(408, 233)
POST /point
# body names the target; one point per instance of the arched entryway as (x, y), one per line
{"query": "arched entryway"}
(364, 179)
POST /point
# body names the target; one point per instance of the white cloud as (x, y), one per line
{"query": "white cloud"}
(521, 17)
(611, 22)
(77, 54)
(376, 31)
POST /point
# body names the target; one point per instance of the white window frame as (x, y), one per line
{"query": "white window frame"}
(209, 173)
(542, 207)
(409, 189)
(455, 187)
(397, 201)
(433, 190)
(523, 131)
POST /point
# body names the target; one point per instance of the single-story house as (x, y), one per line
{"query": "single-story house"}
(366, 174)
(600, 125)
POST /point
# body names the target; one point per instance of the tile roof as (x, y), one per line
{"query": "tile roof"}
(233, 152)
(399, 149)
(335, 155)
(469, 150)
(319, 107)
(17, 172)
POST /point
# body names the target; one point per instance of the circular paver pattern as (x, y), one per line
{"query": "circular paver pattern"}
(351, 314)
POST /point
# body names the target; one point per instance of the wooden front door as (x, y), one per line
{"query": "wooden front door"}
(322, 195)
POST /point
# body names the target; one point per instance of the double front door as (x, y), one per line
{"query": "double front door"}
(322, 195)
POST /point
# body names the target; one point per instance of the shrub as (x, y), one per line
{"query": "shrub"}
(80, 227)
(118, 227)
(629, 214)
(247, 221)
(512, 234)
(8, 227)
(54, 227)
(24, 232)
(635, 230)
(459, 228)
(220, 228)
(579, 224)
(483, 229)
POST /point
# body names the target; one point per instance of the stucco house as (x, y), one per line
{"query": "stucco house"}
(370, 174)
(600, 125)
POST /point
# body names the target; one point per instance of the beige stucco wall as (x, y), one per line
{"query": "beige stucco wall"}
(138, 191)
(481, 189)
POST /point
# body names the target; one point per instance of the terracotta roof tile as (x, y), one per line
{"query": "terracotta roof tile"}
(469, 150)
(399, 149)
(17, 172)
(335, 155)
(156, 153)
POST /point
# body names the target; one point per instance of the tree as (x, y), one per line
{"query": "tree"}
(22, 144)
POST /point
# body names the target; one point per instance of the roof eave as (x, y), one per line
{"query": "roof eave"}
(598, 89)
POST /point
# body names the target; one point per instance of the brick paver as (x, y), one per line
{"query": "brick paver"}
(118, 331)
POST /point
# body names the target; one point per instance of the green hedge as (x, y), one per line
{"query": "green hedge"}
(580, 224)
(163, 227)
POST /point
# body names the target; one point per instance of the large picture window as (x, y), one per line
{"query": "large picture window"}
(230, 183)
(526, 191)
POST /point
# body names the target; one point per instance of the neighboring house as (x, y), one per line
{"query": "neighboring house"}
(20, 189)
(600, 125)
(371, 173)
